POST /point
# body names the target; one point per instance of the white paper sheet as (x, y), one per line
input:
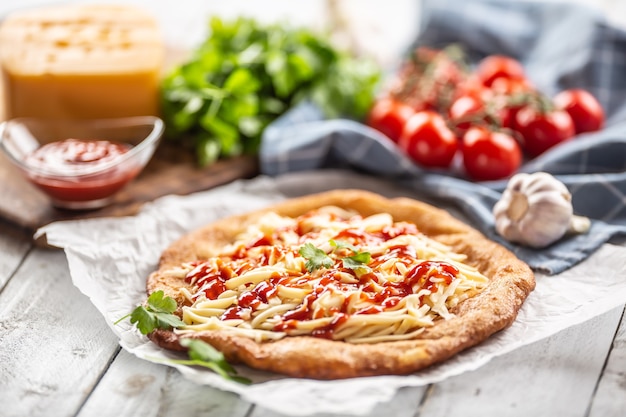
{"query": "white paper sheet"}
(110, 258)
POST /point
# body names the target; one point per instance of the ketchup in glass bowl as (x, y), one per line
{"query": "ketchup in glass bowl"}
(81, 164)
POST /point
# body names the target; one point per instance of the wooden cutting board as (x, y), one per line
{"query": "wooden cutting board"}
(171, 171)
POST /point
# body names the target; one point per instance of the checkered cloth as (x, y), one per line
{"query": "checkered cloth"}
(561, 46)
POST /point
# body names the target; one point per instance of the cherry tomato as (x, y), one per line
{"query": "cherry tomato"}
(508, 107)
(510, 86)
(389, 116)
(509, 97)
(465, 111)
(543, 130)
(428, 140)
(472, 86)
(493, 67)
(509, 113)
(490, 155)
(586, 112)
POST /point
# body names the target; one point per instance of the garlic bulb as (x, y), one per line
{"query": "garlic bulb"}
(536, 210)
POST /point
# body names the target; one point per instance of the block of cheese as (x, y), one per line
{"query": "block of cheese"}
(81, 62)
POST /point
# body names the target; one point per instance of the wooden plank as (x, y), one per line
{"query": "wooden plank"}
(14, 244)
(610, 398)
(54, 343)
(403, 404)
(139, 388)
(134, 387)
(553, 377)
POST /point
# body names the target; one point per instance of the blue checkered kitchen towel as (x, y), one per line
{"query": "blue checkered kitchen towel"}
(562, 46)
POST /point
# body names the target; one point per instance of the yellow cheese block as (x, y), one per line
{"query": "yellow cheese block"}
(80, 62)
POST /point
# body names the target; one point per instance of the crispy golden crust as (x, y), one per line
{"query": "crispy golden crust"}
(493, 309)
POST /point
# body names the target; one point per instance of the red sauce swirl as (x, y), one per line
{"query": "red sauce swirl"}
(72, 166)
(379, 294)
(74, 156)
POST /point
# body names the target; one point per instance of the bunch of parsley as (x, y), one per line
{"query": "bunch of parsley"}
(246, 74)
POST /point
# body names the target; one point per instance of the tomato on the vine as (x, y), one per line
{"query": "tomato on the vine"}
(429, 78)
(389, 116)
(490, 155)
(509, 115)
(493, 67)
(511, 86)
(490, 117)
(466, 111)
(584, 109)
(543, 129)
(428, 140)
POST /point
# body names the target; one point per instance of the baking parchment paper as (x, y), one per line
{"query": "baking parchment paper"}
(110, 258)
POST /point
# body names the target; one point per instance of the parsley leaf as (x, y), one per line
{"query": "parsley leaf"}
(146, 321)
(203, 354)
(357, 261)
(159, 303)
(360, 257)
(157, 314)
(167, 321)
(357, 266)
(353, 262)
(316, 258)
(341, 244)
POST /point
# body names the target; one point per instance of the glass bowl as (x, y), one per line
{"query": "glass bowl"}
(90, 178)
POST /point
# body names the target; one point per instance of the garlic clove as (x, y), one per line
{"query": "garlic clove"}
(579, 225)
(518, 206)
(536, 210)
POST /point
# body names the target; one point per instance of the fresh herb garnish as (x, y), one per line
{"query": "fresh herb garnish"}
(357, 261)
(157, 314)
(357, 265)
(316, 258)
(246, 74)
(341, 244)
(203, 354)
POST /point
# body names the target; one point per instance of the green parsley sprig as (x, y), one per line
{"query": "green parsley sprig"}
(357, 261)
(204, 355)
(156, 314)
(317, 258)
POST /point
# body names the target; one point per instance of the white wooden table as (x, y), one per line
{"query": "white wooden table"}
(58, 357)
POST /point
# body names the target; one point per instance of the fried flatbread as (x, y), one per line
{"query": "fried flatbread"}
(474, 319)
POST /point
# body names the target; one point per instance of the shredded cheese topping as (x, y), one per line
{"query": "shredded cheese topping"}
(328, 273)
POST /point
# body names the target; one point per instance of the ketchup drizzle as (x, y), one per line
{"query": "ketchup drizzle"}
(210, 277)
